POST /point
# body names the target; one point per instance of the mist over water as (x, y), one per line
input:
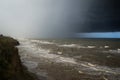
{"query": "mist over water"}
(38, 18)
(51, 18)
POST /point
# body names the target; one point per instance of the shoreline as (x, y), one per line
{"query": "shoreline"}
(11, 67)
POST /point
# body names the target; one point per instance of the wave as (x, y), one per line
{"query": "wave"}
(98, 69)
(31, 51)
(116, 51)
(42, 42)
(38, 52)
(75, 46)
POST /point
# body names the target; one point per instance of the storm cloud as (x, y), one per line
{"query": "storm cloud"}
(58, 18)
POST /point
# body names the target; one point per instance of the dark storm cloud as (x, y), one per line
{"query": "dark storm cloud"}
(103, 16)
(51, 18)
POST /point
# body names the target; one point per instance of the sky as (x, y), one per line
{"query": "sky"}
(98, 35)
(58, 18)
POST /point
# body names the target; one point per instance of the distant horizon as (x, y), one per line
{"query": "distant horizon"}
(84, 35)
(99, 35)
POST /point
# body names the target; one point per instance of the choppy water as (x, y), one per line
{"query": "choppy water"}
(71, 59)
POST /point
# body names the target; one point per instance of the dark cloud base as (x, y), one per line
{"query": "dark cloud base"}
(103, 16)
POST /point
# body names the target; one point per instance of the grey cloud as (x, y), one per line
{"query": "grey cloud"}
(48, 18)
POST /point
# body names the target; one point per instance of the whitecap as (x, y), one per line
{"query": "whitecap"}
(91, 46)
(66, 60)
(59, 53)
(30, 64)
(34, 51)
(106, 46)
(71, 46)
(117, 51)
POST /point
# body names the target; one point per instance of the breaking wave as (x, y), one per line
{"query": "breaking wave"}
(31, 54)
(75, 46)
(38, 52)
(116, 51)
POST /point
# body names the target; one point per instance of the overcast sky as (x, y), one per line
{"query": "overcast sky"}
(51, 18)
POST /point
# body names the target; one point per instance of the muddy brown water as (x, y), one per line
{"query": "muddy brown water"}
(71, 59)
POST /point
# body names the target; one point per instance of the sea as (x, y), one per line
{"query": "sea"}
(71, 59)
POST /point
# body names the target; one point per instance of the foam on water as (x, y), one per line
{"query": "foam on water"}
(106, 46)
(30, 64)
(34, 51)
(39, 52)
(104, 69)
(116, 51)
(68, 45)
(72, 46)
(68, 60)
(75, 46)
(42, 42)
(91, 46)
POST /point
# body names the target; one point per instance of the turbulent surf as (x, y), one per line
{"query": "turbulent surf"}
(71, 59)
